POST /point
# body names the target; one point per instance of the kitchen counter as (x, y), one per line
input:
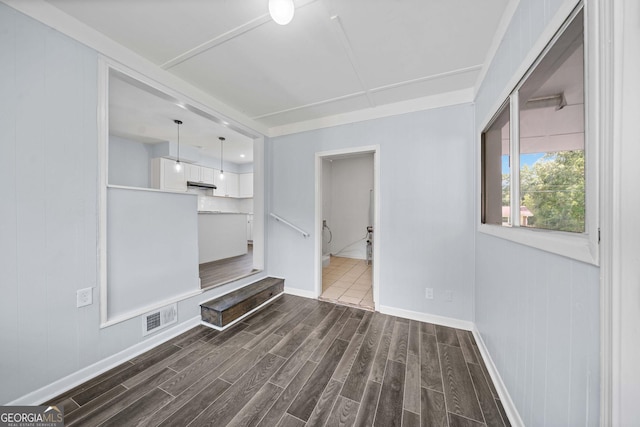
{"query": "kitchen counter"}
(224, 213)
(221, 235)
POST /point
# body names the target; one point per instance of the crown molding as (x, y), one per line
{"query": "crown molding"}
(463, 96)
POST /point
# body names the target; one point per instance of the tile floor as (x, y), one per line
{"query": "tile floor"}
(348, 281)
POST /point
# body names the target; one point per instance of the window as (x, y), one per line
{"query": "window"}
(533, 151)
(539, 153)
(496, 143)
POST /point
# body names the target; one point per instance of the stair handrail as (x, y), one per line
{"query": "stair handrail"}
(284, 221)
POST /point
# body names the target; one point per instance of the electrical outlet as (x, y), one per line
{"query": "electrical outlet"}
(448, 296)
(428, 293)
(84, 297)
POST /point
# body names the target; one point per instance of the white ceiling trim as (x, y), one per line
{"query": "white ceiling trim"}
(463, 96)
(312, 104)
(505, 20)
(374, 90)
(342, 36)
(427, 78)
(217, 41)
(70, 26)
(223, 38)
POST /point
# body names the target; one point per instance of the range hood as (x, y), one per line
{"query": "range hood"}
(201, 185)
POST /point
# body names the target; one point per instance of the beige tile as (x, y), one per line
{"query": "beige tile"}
(351, 276)
(328, 281)
(333, 293)
(349, 300)
(364, 281)
(342, 284)
(355, 293)
(360, 287)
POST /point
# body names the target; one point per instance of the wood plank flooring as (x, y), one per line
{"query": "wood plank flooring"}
(297, 362)
(217, 273)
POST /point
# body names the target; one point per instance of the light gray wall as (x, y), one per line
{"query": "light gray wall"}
(48, 215)
(351, 181)
(537, 312)
(327, 234)
(426, 205)
(141, 266)
(49, 218)
(129, 162)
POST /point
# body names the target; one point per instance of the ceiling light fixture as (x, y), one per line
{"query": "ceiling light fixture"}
(242, 156)
(221, 138)
(281, 11)
(178, 165)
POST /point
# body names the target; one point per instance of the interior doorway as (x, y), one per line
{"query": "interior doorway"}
(346, 226)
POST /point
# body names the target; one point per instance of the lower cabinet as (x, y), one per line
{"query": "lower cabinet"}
(250, 228)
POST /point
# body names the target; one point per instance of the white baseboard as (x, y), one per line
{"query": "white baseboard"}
(425, 317)
(85, 374)
(222, 328)
(300, 292)
(505, 398)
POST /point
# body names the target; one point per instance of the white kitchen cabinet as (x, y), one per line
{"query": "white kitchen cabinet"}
(227, 187)
(221, 185)
(250, 228)
(192, 172)
(245, 183)
(165, 177)
(197, 173)
(206, 175)
(232, 184)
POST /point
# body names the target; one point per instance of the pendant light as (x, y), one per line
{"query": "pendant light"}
(178, 165)
(221, 138)
(281, 11)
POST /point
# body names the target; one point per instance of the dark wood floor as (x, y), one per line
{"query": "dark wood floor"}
(298, 362)
(227, 270)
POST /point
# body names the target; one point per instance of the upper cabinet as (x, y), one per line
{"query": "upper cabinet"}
(246, 185)
(232, 184)
(164, 175)
(227, 186)
(195, 173)
(207, 175)
(192, 172)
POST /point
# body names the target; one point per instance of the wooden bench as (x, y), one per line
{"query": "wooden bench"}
(223, 310)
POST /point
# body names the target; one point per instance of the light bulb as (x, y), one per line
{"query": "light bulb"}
(178, 166)
(221, 175)
(281, 11)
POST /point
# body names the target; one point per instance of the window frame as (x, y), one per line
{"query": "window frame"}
(579, 246)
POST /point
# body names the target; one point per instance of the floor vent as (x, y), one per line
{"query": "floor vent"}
(159, 319)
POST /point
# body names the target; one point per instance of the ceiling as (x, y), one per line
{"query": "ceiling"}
(139, 113)
(335, 57)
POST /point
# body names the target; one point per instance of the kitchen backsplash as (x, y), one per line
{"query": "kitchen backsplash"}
(224, 204)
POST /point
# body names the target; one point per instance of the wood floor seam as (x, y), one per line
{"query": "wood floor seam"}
(475, 390)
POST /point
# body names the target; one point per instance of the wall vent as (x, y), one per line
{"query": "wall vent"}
(159, 319)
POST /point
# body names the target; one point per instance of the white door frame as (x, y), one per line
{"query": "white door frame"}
(370, 149)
